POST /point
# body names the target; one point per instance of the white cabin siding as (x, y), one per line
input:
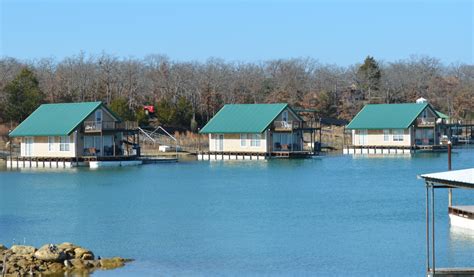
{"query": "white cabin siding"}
(231, 143)
(40, 148)
(376, 138)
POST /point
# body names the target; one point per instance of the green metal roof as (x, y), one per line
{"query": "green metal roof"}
(442, 115)
(243, 118)
(387, 116)
(55, 119)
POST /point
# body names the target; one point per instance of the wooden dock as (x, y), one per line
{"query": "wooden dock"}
(464, 211)
(84, 161)
(253, 155)
(158, 159)
(381, 149)
(460, 271)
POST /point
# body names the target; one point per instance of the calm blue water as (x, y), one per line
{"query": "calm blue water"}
(334, 215)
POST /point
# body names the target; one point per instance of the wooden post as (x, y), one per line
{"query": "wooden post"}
(199, 140)
(427, 229)
(11, 156)
(433, 227)
(344, 138)
(320, 131)
(450, 191)
(138, 144)
(101, 143)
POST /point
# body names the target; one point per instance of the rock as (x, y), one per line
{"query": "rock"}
(23, 263)
(110, 263)
(78, 264)
(95, 263)
(87, 256)
(67, 245)
(89, 264)
(50, 253)
(23, 249)
(56, 260)
(67, 264)
(55, 267)
(81, 251)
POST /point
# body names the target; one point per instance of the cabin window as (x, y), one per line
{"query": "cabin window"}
(386, 135)
(255, 140)
(243, 140)
(285, 116)
(398, 135)
(64, 143)
(98, 115)
(50, 144)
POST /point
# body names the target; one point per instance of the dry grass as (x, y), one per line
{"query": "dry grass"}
(187, 141)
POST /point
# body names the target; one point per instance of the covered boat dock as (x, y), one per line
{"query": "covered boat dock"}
(462, 216)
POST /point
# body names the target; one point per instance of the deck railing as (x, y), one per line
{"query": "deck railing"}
(286, 125)
(97, 126)
(426, 122)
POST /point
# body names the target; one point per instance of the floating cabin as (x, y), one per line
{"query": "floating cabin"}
(75, 134)
(256, 132)
(397, 129)
(461, 217)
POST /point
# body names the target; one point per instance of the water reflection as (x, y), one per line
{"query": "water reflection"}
(382, 156)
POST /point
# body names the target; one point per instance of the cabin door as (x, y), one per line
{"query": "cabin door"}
(284, 116)
(29, 146)
(363, 137)
(220, 142)
(98, 118)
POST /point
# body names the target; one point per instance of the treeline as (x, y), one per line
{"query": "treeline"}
(188, 94)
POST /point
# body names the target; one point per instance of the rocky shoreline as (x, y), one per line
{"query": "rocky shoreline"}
(53, 259)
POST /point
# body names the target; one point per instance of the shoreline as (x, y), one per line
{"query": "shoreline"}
(53, 259)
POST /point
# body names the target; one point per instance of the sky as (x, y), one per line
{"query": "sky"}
(334, 32)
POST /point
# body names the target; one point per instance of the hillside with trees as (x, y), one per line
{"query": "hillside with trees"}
(188, 94)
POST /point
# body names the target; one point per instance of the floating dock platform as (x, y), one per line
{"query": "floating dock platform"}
(391, 150)
(91, 162)
(216, 156)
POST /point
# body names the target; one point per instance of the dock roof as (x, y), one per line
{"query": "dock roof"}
(55, 119)
(455, 178)
(244, 118)
(387, 116)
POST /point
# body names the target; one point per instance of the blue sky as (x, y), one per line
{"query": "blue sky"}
(340, 32)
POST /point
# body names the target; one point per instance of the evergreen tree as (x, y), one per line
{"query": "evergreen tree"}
(166, 112)
(368, 76)
(23, 96)
(183, 112)
(121, 108)
(141, 117)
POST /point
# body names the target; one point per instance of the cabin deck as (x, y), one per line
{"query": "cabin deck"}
(466, 271)
(382, 149)
(253, 155)
(462, 210)
(91, 161)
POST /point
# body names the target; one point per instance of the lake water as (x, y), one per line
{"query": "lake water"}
(333, 215)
